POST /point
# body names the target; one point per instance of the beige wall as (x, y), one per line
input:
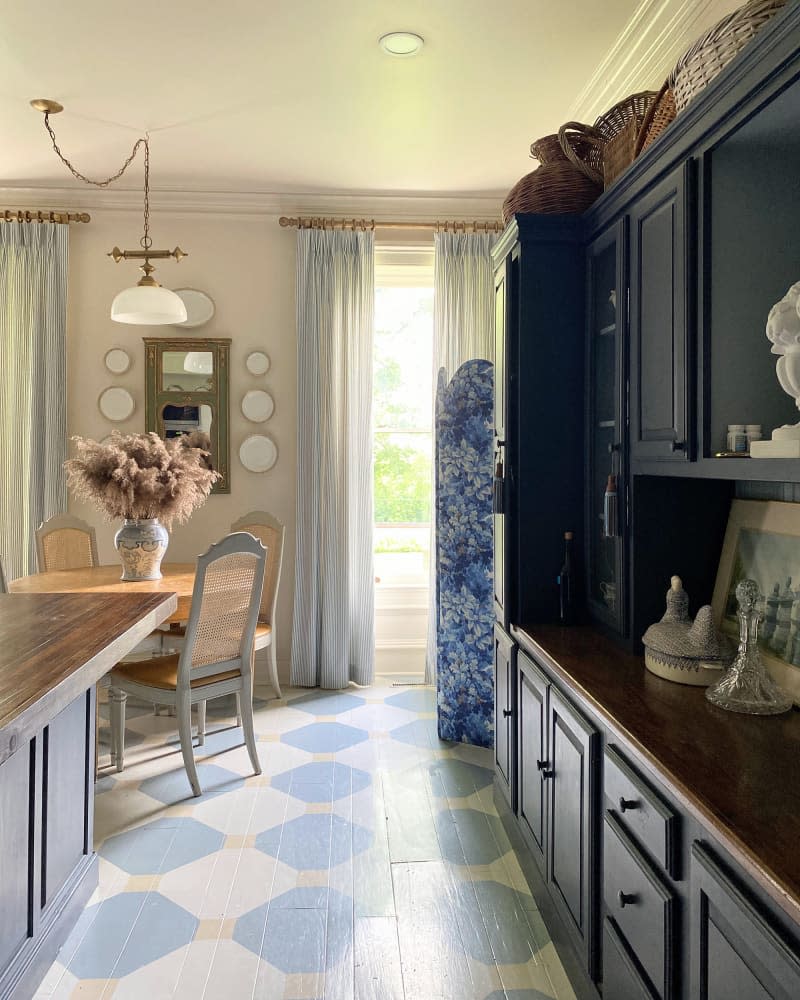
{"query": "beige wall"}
(246, 265)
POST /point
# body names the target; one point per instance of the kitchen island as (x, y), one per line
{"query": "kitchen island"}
(53, 650)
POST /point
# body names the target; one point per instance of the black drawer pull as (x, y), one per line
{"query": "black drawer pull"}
(626, 898)
(507, 712)
(625, 804)
(678, 446)
(541, 764)
(548, 774)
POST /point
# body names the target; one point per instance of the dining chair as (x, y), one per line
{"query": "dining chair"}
(65, 542)
(217, 654)
(270, 532)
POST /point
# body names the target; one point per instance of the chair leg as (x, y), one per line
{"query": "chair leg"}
(117, 700)
(184, 713)
(201, 723)
(246, 703)
(238, 709)
(273, 669)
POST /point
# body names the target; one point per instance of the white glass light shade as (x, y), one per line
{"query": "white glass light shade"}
(200, 362)
(148, 305)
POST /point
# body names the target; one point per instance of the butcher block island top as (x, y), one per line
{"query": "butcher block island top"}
(54, 646)
(739, 775)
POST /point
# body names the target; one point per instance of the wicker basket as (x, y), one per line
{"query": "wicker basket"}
(556, 187)
(661, 114)
(612, 137)
(714, 50)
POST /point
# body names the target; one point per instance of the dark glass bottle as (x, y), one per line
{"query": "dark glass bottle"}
(566, 585)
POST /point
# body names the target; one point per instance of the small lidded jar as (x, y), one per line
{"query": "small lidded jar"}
(737, 438)
(752, 433)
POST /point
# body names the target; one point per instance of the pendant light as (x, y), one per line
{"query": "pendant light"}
(146, 303)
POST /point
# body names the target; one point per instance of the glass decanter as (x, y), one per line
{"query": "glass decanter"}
(746, 686)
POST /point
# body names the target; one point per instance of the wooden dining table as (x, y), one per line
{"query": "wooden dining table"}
(176, 578)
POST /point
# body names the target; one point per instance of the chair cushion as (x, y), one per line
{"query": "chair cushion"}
(162, 672)
(263, 631)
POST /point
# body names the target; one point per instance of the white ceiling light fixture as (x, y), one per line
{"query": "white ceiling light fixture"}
(401, 43)
(146, 303)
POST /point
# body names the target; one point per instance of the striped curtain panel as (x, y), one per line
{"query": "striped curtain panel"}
(333, 633)
(33, 385)
(463, 330)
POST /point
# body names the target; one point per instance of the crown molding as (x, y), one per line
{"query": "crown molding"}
(400, 207)
(641, 58)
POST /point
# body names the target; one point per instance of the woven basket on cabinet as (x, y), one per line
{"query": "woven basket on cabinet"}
(661, 114)
(713, 51)
(613, 138)
(556, 187)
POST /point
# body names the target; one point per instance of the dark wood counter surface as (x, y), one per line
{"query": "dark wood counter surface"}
(54, 646)
(739, 775)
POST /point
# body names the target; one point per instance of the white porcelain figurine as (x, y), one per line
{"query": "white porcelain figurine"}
(783, 330)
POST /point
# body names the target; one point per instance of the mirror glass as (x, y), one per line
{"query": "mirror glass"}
(187, 371)
(187, 390)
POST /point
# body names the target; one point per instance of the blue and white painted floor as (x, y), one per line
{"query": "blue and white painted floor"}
(367, 862)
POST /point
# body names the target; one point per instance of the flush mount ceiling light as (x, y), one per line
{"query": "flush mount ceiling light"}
(401, 43)
(146, 303)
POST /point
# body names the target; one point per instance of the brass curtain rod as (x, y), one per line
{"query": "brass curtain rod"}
(371, 224)
(22, 215)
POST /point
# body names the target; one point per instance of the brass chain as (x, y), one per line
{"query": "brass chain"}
(83, 177)
(146, 242)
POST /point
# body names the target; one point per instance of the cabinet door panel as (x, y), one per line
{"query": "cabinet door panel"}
(621, 979)
(504, 698)
(660, 322)
(16, 806)
(735, 952)
(532, 743)
(67, 760)
(572, 863)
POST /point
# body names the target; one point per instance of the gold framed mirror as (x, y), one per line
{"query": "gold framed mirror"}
(187, 389)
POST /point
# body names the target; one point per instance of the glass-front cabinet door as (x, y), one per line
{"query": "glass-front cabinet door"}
(606, 432)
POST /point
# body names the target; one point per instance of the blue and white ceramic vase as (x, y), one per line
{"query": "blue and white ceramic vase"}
(141, 545)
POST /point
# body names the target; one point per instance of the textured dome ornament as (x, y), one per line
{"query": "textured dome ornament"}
(678, 649)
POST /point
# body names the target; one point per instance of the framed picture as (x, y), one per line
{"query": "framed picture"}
(762, 543)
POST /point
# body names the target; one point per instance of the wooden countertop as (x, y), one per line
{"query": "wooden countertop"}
(55, 646)
(739, 775)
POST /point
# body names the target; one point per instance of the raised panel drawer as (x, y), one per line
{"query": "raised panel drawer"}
(641, 811)
(621, 979)
(640, 904)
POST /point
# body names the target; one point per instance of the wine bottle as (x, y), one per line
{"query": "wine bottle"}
(566, 596)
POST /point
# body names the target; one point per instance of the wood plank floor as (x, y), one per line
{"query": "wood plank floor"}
(367, 862)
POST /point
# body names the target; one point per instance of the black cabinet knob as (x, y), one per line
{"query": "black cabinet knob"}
(625, 804)
(507, 712)
(626, 898)
(548, 774)
(541, 764)
(679, 446)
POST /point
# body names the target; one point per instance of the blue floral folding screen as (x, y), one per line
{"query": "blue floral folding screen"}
(464, 552)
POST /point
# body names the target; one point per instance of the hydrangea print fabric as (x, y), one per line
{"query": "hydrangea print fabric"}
(464, 555)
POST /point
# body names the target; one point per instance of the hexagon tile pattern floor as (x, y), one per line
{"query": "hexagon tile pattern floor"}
(367, 862)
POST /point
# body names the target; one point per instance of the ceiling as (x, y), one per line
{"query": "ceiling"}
(295, 95)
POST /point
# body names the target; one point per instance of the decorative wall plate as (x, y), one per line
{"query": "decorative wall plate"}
(117, 361)
(116, 404)
(257, 363)
(257, 405)
(258, 453)
(199, 306)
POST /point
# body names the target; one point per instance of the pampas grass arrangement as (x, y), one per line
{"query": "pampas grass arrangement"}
(137, 476)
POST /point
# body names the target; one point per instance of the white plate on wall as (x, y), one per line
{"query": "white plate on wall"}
(116, 404)
(199, 306)
(257, 363)
(117, 361)
(257, 405)
(258, 453)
